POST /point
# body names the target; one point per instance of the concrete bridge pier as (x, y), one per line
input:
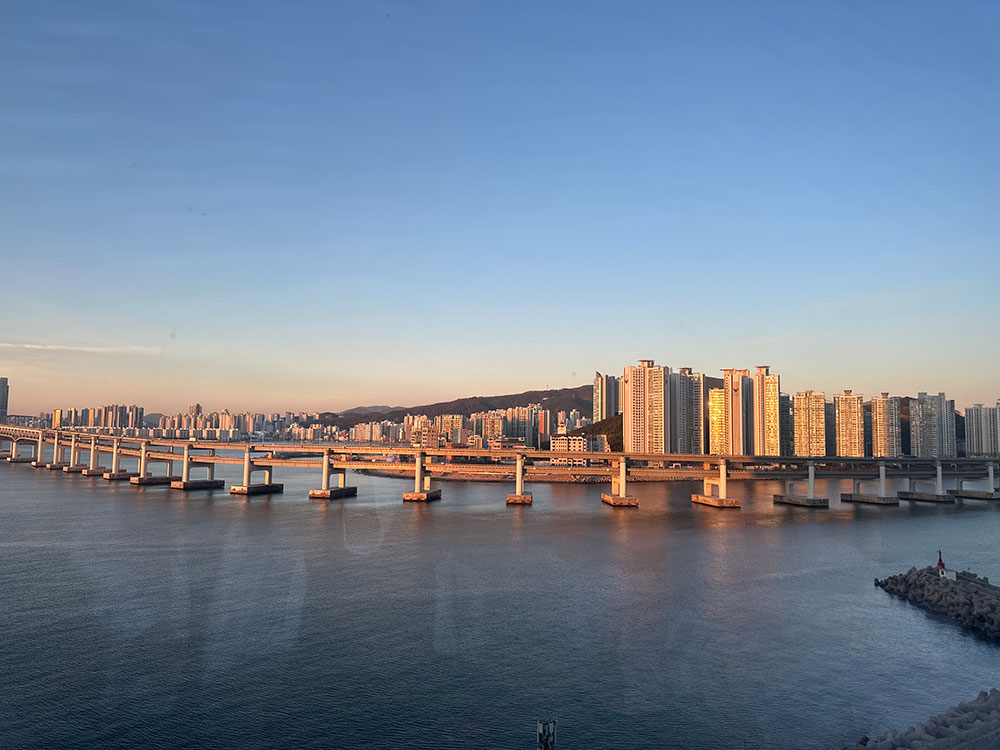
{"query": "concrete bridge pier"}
(75, 466)
(267, 488)
(39, 461)
(809, 500)
(520, 497)
(619, 496)
(10, 452)
(186, 483)
(937, 496)
(326, 492)
(859, 496)
(94, 468)
(145, 476)
(116, 474)
(15, 447)
(714, 491)
(989, 494)
(58, 455)
(422, 492)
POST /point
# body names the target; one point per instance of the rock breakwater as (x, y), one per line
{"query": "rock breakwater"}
(970, 600)
(972, 724)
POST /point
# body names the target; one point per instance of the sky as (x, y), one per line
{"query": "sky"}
(318, 205)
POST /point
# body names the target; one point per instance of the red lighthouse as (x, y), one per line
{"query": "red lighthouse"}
(940, 564)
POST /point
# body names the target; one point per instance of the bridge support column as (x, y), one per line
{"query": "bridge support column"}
(810, 500)
(619, 496)
(116, 474)
(267, 488)
(938, 496)
(74, 467)
(39, 451)
(326, 492)
(519, 497)
(186, 483)
(989, 474)
(422, 492)
(858, 496)
(714, 491)
(93, 462)
(57, 461)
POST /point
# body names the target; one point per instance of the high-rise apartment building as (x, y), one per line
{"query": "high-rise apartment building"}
(716, 421)
(787, 426)
(932, 427)
(886, 426)
(766, 412)
(646, 407)
(605, 396)
(687, 419)
(981, 430)
(810, 423)
(850, 424)
(4, 399)
(738, 387)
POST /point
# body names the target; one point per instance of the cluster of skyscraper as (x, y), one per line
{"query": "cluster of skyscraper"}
(746, 413)
(529, 426)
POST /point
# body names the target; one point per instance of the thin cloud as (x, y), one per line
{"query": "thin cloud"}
(84, 349)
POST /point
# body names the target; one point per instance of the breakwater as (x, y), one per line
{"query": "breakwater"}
(968, 725)
(968, 599)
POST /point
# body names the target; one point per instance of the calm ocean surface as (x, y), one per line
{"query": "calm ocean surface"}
(144, 617)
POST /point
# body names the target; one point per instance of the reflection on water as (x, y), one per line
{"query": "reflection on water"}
(131, 614)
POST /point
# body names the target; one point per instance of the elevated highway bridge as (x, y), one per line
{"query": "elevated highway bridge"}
(98, 454)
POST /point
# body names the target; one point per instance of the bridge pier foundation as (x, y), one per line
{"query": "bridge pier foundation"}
(714, 491)
(58, 452)
(859, 496)
(326, 492)
(520, 497)
(422, 492)
(989, 494)
(619, 497)
(267, 488)
(116, 474)
(938, 496)
(809, 500)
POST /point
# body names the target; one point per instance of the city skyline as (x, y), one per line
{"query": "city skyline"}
(272, 227)
(790, 384)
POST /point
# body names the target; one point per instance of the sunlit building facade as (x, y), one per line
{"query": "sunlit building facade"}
(645, 408)
(810, 423)
(766, 412)
(738, 388)
(716, 421)
(850, 424)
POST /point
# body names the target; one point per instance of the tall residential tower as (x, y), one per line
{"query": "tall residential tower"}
(605, 396)
(766, 412)
(645, 408)
(850, 424)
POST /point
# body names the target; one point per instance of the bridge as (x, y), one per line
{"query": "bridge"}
(93, 454)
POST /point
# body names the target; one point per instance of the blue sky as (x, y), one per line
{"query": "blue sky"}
(314, 205)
